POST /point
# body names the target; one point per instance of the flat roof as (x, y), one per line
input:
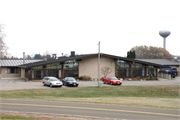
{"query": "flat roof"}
(162, 62)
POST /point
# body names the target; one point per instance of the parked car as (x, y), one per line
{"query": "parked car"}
(164, 68)
(70, 81)
(173, 72)
(51, 81)
(169, 70)
(111, 80)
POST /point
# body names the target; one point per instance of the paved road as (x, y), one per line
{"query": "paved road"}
(15, 84)
(87, 109)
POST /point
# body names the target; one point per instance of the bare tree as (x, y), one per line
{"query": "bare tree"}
(47, 55)
(105, 70)
(3, 47)
(145, 52)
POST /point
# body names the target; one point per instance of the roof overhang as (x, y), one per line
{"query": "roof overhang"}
(61, 60)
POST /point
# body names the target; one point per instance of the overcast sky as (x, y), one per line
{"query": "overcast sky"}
(61, 26)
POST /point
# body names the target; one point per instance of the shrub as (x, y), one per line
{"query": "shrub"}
(80, 78)
(84, 78)
(143, 78)
(149, 78)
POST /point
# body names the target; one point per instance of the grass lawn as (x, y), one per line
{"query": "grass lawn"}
(150, 96)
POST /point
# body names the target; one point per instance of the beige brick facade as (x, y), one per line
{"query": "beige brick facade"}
(89, 66)
(5, 74)
(22, 73)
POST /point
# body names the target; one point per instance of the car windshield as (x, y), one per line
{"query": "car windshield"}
(71, 79)
(113, 78)
(54, 79)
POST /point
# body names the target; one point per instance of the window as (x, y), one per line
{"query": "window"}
(137, 70)
(71, 69)
(122, 68)
(40, 67)
(53, 66)
(12, 70)
(34, 68)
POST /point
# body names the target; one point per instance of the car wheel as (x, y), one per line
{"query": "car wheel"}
(44, 84)
(60, 86)
(119, 84)
(51, 85)
(76, 85)
(104, 82)
(111, 83)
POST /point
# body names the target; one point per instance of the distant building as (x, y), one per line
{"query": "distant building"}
(10, 67)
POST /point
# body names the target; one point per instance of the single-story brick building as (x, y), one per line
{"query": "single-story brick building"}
(81, 65)
(87, 65)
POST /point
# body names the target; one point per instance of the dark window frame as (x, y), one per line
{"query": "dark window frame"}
(12, 70)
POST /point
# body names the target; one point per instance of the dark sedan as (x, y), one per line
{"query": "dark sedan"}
(70, 81)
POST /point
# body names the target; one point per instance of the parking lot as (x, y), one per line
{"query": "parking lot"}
(18, 83)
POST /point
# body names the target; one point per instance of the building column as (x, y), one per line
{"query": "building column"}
(32, 74)
(145, 72)
(130, 70)
(62, 70)
(157, 73)
(22, 73)
(44, 69)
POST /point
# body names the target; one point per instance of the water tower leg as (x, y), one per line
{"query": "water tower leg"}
(164, 43)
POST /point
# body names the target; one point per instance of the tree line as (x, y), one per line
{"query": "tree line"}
(145, 52)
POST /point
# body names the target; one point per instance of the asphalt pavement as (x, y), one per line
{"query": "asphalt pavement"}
(120, 112)
(18, 83)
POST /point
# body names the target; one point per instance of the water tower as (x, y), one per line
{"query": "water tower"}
(164, 34)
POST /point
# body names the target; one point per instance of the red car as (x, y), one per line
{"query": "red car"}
(111, 80)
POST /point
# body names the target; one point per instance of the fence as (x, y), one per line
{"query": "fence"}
(165, 75)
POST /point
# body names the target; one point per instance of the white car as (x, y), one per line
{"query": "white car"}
(51, 81)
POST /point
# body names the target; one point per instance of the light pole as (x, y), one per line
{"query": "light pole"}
(99, 64)
(0, 52)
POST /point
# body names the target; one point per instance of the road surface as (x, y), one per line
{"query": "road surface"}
(86, 109)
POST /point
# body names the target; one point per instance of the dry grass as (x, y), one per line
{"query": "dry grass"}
(149, 96)
(169, 103)
(33, 116)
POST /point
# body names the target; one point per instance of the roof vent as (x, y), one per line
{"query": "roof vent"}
(72, 53)
(54, 56)
(23, 57)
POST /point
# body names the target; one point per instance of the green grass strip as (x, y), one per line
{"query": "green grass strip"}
(90, 92)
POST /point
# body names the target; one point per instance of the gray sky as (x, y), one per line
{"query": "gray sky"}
(61, 26)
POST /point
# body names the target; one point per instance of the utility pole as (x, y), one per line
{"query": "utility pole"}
(99, 64)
